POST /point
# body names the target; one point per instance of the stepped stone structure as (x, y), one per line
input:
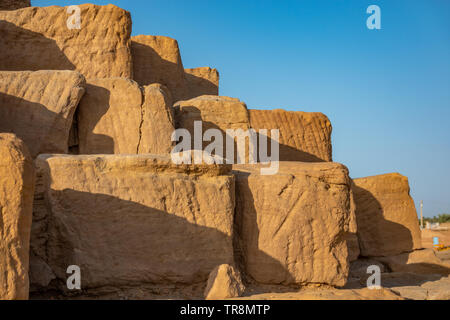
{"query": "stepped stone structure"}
(117, 116)
(119, 219)
(292, 225)
(14, 4)
(39, 106)
(16, 203)
(386, 216)
(304, 136)
(202, 81)
(39, 39)
(96, 109)
(157, 59)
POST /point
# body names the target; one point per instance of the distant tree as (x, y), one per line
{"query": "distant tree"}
(441, 218)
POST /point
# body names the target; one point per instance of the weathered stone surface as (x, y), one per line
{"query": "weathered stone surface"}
(109, 117)
(304, 136)
(130, 220)
(224, 282)
(202, 81)
(16, 203)
(156, 59)
(39, 39)
(158, 121)
(14, 4)
(39, 106)
(221, 113)
(419, 261)
(216, 112)
(116, 116)
(291, 226)
(385, 215)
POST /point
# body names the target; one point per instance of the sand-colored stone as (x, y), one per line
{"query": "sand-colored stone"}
(14, 4)
(386, 215)
(39, 107)
(158, 121)
(116, 116)
(16, 203)
(422, 261)
(133, 219)
(39, 39)
(109, 117)
(156, 59)
(215, 112)
(224, 282)
(291, 226)
(303, 136)
(202, 81)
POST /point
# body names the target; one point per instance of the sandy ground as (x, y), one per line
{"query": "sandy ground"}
(444, 238)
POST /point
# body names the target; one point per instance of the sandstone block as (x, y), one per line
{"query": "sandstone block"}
(224, 282)
(39, 107)
(386, 216)
(291, 226)
(202, 81)
(14, 4)
(109, 117)
(40, 39)
(116, 116)
(129, 219)
(158, 121)
(303, 136)
(16, 203)
(156, 59)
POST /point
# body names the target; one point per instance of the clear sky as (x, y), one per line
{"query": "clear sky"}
(386, 92)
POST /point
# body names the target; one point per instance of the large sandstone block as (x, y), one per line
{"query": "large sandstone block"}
(215, 112)
(39, 39)
(16, 203)
(291, 226)
(14, 4)
(116, 116)
(129, 220)
(39, 107)
(303, 136)
(158, 121)
(156, 59)
(386, 215)
(202, 81)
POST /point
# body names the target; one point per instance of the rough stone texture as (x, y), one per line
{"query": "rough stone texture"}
(224, 282)
(14, 4)
(158, 121)
(156, 59)
(385, 215)
(352, 237)
(39, 39)
(202, 81)
(419, 262)
(39, 106)
(16, 203)
(109, 117)
(291, 226)
(304, 136)
(216, 112)
(116, 116)
(131, 220)
(418, 286)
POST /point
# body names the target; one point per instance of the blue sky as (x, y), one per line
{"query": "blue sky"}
(386, 92)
